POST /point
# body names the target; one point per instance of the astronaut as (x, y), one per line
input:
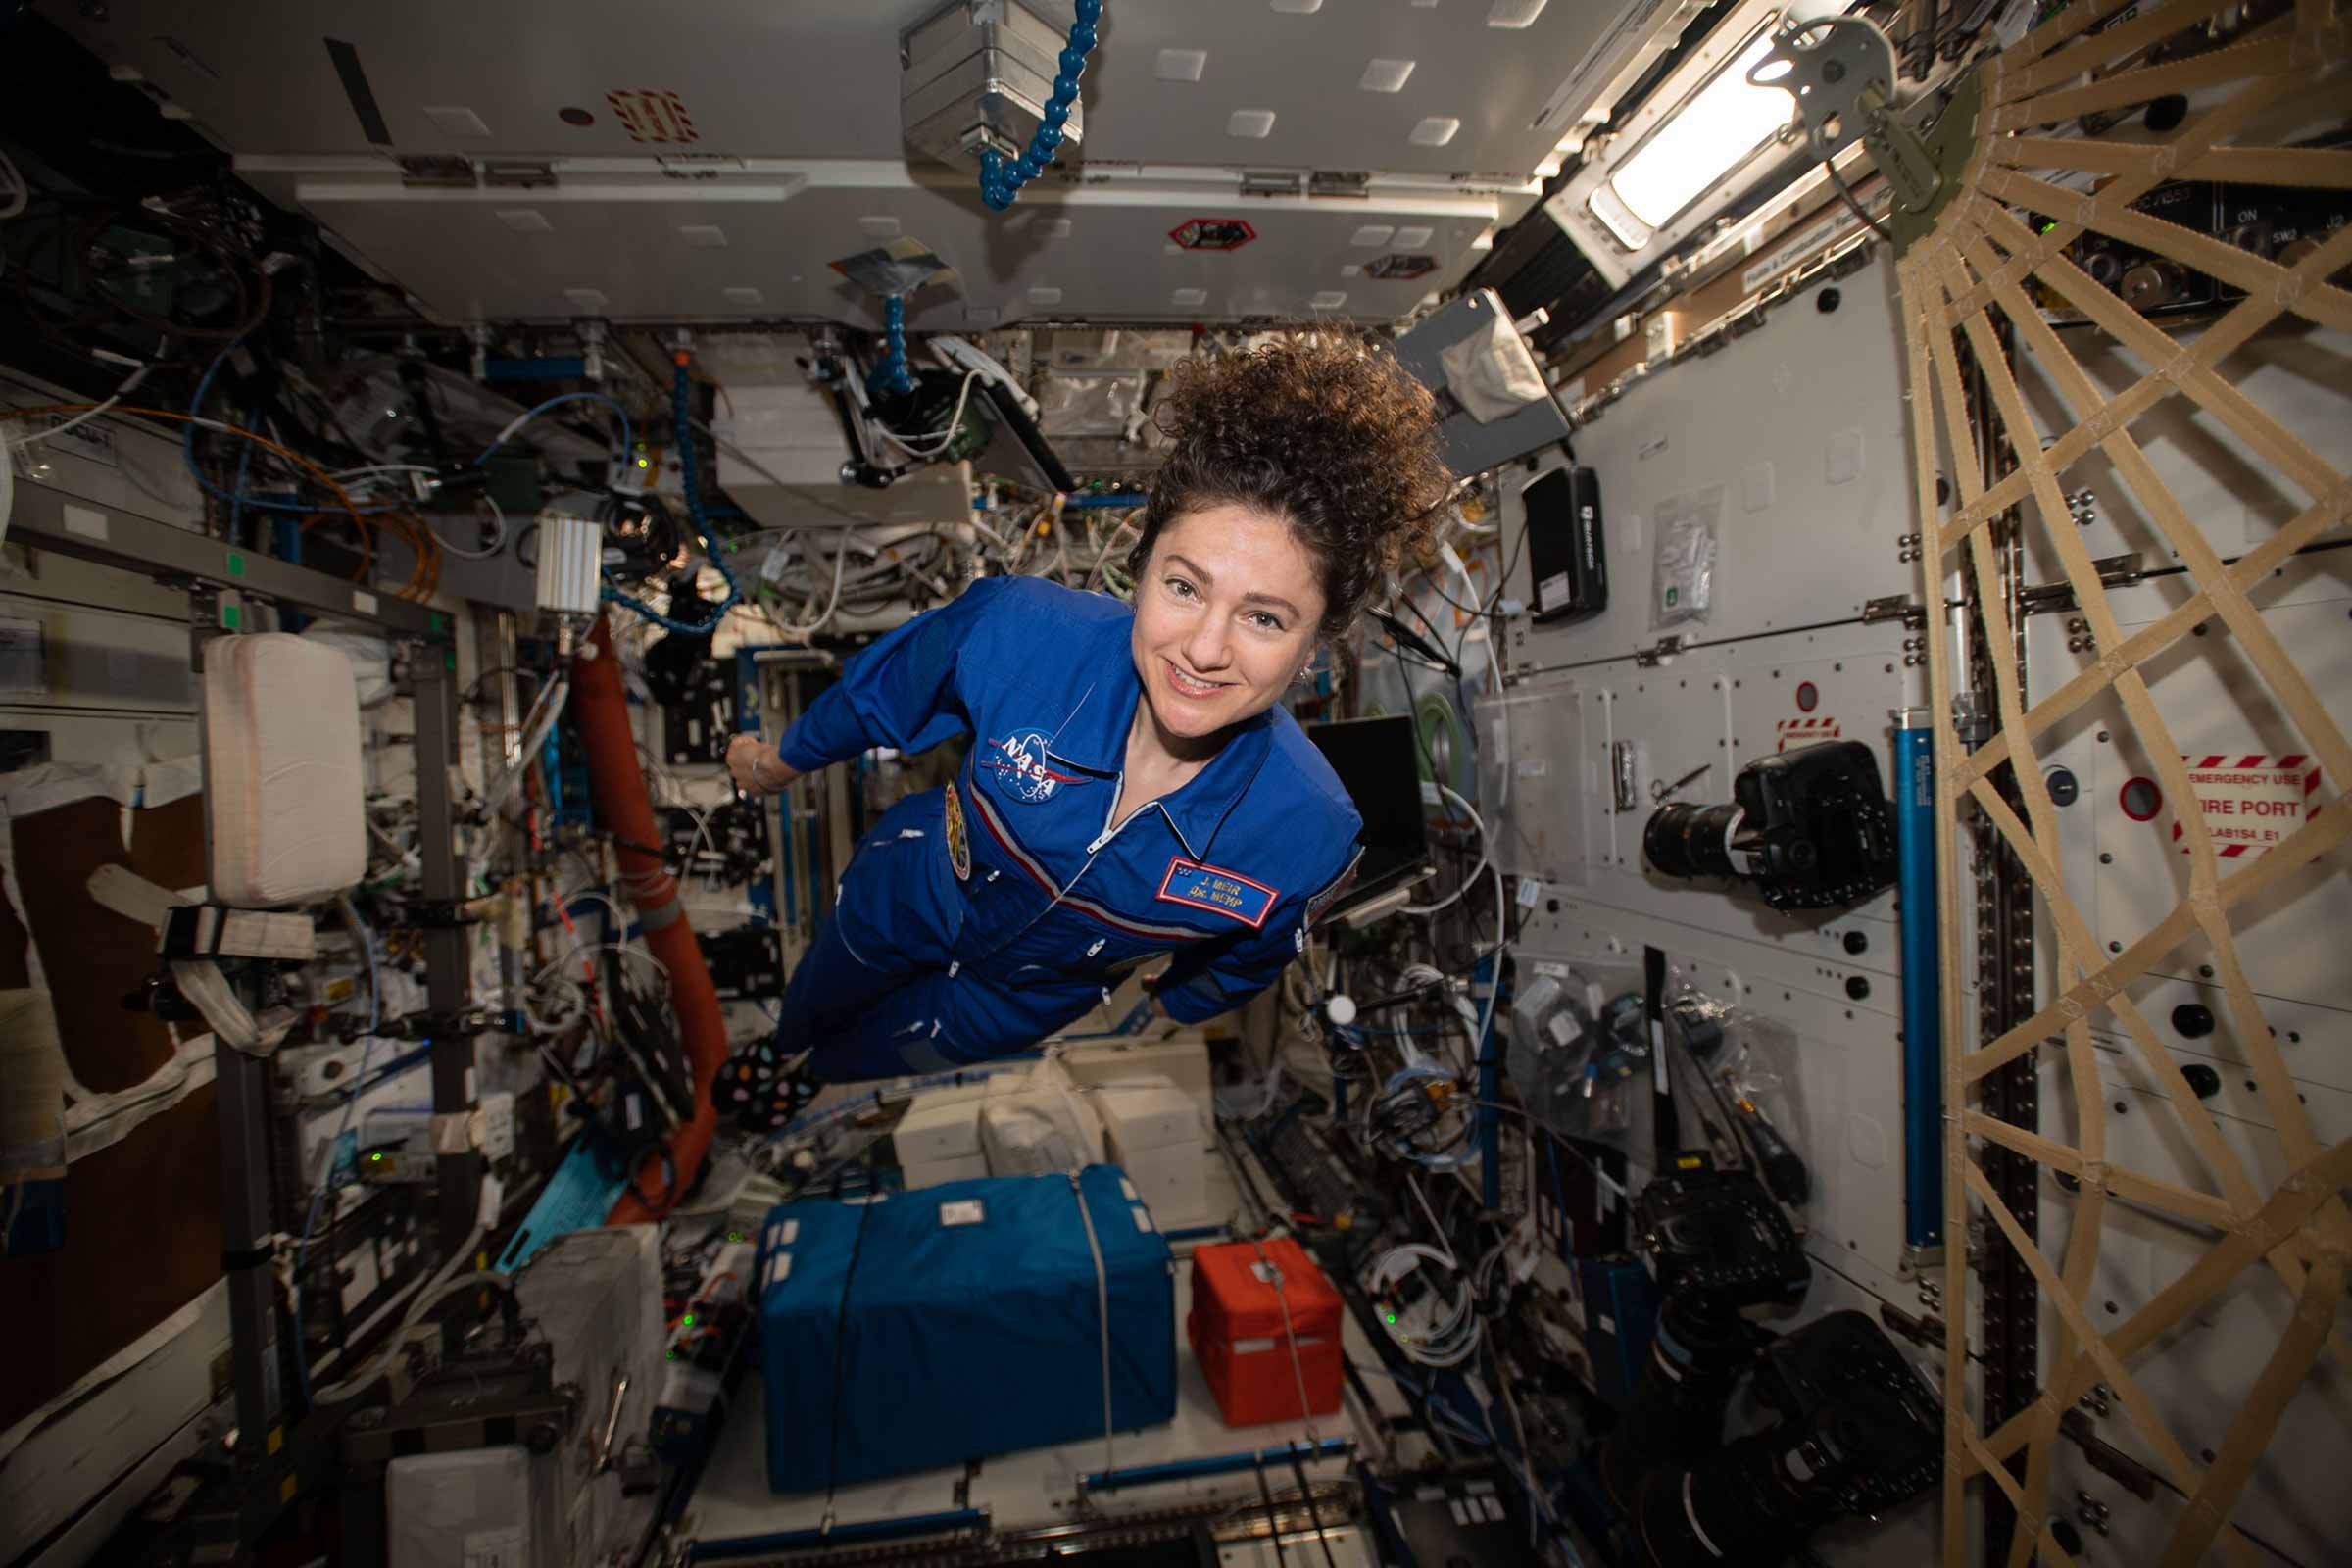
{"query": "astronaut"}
(1133, 795)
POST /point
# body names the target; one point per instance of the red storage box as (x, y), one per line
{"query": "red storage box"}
(1236, 1326)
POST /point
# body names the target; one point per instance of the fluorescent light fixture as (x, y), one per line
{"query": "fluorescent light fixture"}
(1693, 148)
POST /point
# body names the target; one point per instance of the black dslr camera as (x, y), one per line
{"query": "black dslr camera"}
(1812, 828)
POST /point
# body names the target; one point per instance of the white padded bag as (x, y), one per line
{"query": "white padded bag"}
(282, 739)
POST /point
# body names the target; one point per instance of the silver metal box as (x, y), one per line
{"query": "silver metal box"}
(978, 74)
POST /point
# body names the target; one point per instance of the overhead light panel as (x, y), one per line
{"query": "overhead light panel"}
(1703, 139)
(1696, 145)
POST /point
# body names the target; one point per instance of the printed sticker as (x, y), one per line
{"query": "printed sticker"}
(960, 841)
(654, 116)
(1019, 763)
(2251, 802)
(1227, 893)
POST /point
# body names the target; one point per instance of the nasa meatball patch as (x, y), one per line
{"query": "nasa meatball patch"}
(1019, 763)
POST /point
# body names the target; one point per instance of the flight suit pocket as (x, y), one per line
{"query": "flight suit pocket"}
(901, 907)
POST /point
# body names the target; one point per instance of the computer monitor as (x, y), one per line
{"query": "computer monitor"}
(1376, 760)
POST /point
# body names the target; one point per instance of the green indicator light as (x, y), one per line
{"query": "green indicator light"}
(689, 1320)
(1390, 1316)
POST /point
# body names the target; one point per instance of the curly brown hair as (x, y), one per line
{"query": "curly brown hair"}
(1327, 432)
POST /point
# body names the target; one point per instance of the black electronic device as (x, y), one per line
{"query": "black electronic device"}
(1718, 1234)
(1465, 1517)
(1858, 1432)
(1812, 828)
(1377, 760)
(1037, 463)
(743, 962)
(1567, 553)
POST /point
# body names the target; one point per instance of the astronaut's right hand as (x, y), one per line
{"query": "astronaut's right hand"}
(756, 768)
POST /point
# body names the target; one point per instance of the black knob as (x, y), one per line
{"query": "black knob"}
(1857, 942)
(2203, 1079)
(1857, 987)
(2065, 790)
(2193, 1020)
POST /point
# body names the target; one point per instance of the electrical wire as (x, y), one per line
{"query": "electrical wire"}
(1484, 856)
(1845, 194)
(351, 1100)
(690, 481)
(113, 400)
(944, 439)
(342, 496)
(498, 542)
(627, 439)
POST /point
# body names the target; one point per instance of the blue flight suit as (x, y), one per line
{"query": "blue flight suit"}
(977, 919)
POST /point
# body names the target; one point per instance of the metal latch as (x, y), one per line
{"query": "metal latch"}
(2115, 572)
(1624, 763)
(437, 173)
(1894, 606)
(511, 173)
(1271, 185)
(1333, 182)
(700, 165)
(1663, 648)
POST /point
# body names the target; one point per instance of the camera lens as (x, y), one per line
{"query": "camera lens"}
(1685, 840)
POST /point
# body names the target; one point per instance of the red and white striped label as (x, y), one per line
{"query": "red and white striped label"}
(1805, 731)
(651, 114)
(2250, 801)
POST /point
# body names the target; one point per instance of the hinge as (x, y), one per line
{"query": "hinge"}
(437, 173)
(1333, 182)
(1664, 648)
(1894, 606)
(1271, 185)
(2115, 572)
(518, 174)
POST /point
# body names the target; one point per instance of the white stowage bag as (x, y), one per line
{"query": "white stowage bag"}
(1491, 373)
(281, 742)
(1047, 1125)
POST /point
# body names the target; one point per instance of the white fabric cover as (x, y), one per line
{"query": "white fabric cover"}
(1491, 373)
(281, 738)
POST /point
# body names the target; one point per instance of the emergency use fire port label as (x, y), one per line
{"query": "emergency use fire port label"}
(2251, 802)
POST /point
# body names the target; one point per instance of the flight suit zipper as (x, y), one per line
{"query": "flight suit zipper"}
(1108, 833)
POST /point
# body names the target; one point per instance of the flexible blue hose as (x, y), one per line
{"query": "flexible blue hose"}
(891, 374)
(690, 476)
(1001, 182)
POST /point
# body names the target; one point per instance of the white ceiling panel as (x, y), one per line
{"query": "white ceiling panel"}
(616, 230)
(819, 78)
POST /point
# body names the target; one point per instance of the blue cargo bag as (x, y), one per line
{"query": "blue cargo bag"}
(930, 1327)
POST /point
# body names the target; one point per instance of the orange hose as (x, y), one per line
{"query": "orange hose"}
(617, 788)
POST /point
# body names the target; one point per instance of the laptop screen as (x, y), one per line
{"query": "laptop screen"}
(1376, 760)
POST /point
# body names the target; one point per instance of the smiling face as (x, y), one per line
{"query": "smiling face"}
(1226, 612)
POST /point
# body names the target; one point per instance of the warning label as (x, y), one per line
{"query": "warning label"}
(1805, 731)
(653, 114)
(2250, 803)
